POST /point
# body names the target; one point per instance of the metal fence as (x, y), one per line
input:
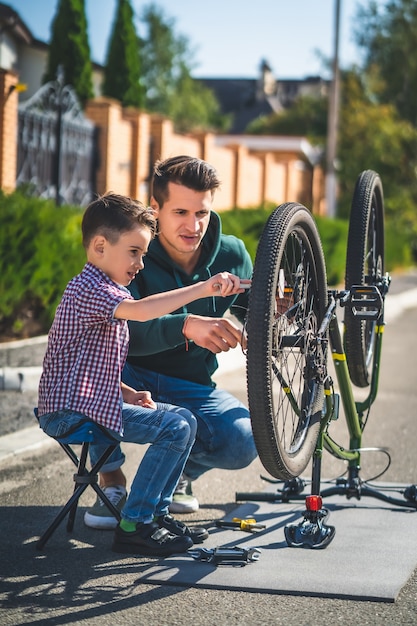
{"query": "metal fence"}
(57, 146)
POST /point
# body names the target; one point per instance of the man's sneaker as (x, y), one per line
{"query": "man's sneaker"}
(150, 540)
(99, 515)
(197, 533)
(183, 500)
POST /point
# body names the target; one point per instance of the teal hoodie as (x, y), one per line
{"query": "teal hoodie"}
(159, 345)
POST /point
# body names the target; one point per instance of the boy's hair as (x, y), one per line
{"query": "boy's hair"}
(111, 215)
(182, 170)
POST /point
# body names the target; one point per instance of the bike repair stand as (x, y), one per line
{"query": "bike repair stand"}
(312, 531)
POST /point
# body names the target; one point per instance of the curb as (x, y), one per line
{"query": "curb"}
(25, 440)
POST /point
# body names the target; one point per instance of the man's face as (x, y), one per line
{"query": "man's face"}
(183, 222)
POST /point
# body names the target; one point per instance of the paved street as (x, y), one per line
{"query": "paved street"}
(78, 580)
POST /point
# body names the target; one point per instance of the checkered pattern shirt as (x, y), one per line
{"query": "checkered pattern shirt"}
(86, 352)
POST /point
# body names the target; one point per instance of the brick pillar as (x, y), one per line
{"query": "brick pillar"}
(318, 191)
(141, 154)
(98, 111)
(8, 130)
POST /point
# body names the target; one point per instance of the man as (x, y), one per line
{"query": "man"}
(174, 357)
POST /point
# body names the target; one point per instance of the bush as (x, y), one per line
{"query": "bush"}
(248, 224)
(40, 250)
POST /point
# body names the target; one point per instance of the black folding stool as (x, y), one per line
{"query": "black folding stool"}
(86, 433)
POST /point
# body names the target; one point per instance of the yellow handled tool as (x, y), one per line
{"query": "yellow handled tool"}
(248, 525)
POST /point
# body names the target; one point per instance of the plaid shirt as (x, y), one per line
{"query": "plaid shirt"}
(86, 352)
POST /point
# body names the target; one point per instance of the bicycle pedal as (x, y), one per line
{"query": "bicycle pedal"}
(365, 301)
(308, 535)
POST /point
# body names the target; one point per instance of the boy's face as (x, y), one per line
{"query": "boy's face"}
(183, 221)
(122, 260)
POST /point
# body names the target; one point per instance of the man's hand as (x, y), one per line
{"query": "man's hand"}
(216, 334)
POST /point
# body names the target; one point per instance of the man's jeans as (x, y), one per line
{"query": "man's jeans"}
(224, 434)
(171, 432)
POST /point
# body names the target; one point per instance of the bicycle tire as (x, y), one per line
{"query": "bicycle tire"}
(284, 362)
(364, 266)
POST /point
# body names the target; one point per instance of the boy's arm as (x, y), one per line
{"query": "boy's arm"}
(151, 307)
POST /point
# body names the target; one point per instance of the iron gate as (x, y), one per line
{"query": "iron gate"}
(56, 146)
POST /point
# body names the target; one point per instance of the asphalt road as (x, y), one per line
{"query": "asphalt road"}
(80, 581)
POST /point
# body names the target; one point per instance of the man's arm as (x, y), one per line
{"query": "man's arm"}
(157, 335)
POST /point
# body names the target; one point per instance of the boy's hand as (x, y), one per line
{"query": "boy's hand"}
(144, 398)
(226, 284)
(139, 398)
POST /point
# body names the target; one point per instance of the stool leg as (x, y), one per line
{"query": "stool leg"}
(82, 479)
(82, 472)
(61, 515)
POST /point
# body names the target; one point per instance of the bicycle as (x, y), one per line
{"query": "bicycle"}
(291, 327)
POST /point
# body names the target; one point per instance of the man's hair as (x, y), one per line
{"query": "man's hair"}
(111, 215)
(182, 170)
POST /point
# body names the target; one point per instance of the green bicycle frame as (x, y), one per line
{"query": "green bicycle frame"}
(353, 410)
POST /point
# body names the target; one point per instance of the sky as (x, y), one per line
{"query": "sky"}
(229, 38)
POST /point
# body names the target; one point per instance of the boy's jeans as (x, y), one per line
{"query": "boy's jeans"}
(224, 434)
(171, 432)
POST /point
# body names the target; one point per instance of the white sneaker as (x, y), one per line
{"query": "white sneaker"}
(99, 515)
(183, 500)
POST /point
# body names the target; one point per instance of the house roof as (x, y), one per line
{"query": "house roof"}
(242, 98)
(247, 99)
(11, 22)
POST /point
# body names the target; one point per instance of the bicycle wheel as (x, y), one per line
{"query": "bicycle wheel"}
(364, 266)
(285, 364)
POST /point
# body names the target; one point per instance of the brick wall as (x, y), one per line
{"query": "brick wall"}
(8, 130)
(129, 142)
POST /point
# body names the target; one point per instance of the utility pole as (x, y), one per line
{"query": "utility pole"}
(333, 122)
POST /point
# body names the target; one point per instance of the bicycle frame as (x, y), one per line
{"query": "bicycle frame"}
(291, 393)
(312, 531)
(353, 410)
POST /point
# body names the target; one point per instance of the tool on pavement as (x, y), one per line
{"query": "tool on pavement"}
(225, 556)
(248, 525)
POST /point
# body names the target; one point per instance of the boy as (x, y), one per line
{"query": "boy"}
(86, 352)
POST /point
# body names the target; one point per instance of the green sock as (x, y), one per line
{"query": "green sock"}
(128, 527)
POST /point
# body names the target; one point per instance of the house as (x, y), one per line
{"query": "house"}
(22, 53)
(247, 99)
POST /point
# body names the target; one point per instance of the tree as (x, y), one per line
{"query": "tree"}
(69, 49)
(122, 74)
(306, 117)
(371, 136)
(170, 89)
(388, 37)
